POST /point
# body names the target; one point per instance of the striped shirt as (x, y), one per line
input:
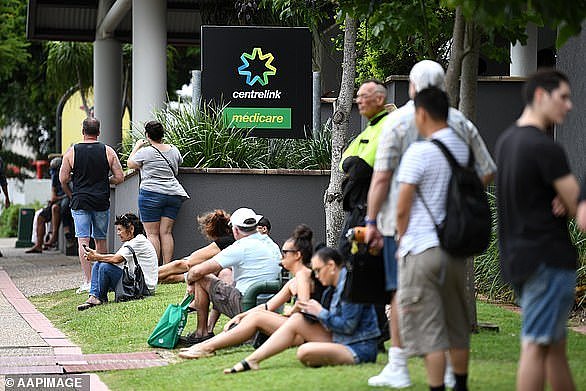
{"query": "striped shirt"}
(424, 165)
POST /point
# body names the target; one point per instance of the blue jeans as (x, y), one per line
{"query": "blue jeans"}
(105, 276)
(91, 223)
(389, 250)
(546, 300)
(364, 351)
(153, 205)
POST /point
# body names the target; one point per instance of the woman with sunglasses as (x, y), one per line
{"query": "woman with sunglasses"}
(107, 268)
(347, 333)
(296, 257)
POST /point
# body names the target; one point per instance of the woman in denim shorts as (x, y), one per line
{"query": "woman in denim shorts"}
(160, 195)
(346, 334)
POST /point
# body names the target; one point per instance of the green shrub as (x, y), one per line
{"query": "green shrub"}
(206, 140)
(9, 219)
(487, 265)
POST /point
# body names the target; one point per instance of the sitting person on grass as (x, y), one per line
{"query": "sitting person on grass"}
(296, 258)
(107, 269)
(347, 333)
(253, 258)
(213, 225)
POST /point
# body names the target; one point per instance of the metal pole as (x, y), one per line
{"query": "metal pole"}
(196, 90)
(316, 102)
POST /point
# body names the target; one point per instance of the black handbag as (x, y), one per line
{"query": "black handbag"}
(131, 287)
(365, 278)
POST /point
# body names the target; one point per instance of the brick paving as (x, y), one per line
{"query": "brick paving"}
(29, 343)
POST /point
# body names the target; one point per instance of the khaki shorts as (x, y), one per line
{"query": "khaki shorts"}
(225, 298)
(433, 315)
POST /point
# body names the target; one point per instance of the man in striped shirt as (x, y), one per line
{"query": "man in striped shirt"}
(432, 299)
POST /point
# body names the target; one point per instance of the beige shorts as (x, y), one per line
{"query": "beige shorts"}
(433, 315)
(225, 298)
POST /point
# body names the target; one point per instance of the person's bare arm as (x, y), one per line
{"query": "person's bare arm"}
(138, 145)
(377, 194)
(203, 254)
(115, 166)
(404, 204)
(65, 172)
(197, 272)
(92, 255)
(568, 190)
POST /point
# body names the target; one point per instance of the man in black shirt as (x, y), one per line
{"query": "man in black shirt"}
(537, 257)
(88, 165)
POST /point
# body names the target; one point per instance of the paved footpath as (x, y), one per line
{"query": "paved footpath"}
(29, 343)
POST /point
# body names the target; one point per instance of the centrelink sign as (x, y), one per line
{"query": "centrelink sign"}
(263, 74)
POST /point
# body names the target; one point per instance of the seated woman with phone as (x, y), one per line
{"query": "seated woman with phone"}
(107, 269)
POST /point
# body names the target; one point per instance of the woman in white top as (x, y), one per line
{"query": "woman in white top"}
(160, 195)
(107, 269)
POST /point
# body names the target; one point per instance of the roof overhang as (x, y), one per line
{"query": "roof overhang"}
(76, 20)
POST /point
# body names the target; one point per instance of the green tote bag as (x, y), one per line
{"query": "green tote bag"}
(167, 332)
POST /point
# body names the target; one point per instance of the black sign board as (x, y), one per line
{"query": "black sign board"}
(264, 76)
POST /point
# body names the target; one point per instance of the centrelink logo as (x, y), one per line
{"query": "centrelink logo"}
(262, 79)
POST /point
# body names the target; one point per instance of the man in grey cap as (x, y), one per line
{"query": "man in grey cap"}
(253, 257)
(399, 132)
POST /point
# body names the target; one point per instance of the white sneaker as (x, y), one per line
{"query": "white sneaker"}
(395, 374)
(449, 378)
(85, 287)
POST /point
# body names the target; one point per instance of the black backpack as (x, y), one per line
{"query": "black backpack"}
(466, 228)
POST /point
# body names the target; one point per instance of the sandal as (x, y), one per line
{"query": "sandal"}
(195, 354)
(34, 250)
(245, 367)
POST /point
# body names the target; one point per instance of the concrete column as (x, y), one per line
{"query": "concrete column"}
(108, 90)
(149, 58)
(524, 58)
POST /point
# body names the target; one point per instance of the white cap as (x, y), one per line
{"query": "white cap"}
(427, 74)
(245, 218)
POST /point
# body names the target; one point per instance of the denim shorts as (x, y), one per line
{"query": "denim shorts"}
(389, 252)
(153, 206)
(364, 351)
(91, 223)
(546, 300)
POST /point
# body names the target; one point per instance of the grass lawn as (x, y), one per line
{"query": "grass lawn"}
(125, 327)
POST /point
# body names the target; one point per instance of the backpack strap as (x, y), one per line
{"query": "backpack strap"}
(133, 254)
(451, 159)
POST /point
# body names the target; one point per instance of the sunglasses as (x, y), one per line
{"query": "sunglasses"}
(284, 252)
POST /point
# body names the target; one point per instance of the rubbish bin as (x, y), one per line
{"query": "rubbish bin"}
(26, 217)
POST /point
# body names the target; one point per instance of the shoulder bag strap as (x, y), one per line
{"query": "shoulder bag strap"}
(163, 156)
(133, 254)
(451, 159)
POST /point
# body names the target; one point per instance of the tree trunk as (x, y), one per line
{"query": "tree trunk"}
(340, 118)
(456, 56)
(468, 89)
(469, 80)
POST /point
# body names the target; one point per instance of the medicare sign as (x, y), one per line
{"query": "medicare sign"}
(263, 74)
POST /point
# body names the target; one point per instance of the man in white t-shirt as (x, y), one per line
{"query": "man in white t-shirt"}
(433, 315)
(253, 257)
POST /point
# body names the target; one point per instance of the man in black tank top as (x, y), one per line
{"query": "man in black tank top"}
(88, 165)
